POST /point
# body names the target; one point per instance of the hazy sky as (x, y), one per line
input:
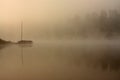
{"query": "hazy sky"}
(39, 11)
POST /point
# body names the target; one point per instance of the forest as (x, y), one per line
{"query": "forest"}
(105, 24)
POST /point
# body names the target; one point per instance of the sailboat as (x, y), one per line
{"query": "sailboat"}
(22, 41)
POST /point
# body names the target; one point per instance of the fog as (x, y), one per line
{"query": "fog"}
(73, 39)
(41, 17)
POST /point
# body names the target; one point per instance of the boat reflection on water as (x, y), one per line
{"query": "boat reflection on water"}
(24, 44)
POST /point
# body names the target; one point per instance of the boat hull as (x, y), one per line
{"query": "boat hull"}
(25, 42)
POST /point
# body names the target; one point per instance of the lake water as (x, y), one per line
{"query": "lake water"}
(60, 61)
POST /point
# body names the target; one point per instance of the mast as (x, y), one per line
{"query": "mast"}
(21, 30)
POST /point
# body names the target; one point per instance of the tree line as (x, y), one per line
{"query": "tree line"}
(105, 24)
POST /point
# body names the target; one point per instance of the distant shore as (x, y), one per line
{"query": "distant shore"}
(4, 41)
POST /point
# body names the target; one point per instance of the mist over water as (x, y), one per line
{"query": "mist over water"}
(60, 61)
(72, 40)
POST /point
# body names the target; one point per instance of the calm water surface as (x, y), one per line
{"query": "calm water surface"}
(52, 61)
